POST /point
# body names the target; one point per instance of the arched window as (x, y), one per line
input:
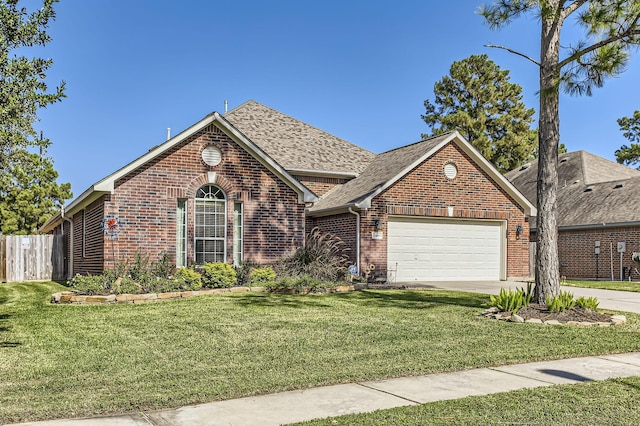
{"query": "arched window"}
(210, 225)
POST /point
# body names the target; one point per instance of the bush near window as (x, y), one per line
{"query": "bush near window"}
(218, 275)
(187, 279)
(243, 272)
(262, 277)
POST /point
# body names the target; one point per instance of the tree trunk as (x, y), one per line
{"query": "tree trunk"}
(547, 264)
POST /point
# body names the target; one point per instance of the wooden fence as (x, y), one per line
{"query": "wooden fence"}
(32, 258)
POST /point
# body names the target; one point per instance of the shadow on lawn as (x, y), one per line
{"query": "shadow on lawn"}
(411, 299)
(406, 299)
(6, 329)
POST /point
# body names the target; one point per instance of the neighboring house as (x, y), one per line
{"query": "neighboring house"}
(249, 185)
(598, 208)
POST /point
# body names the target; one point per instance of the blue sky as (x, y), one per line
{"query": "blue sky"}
(358, 69)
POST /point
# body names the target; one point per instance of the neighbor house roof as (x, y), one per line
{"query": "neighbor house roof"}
(297, 146)
(592, 191)
(107, 185)
(388, 167)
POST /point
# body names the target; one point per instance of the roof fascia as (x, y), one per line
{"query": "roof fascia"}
(598, 226)
(332, 210)
(323, 173)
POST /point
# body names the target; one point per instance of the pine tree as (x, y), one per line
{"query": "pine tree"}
(630, 155)
(478, 100)
(610, 31)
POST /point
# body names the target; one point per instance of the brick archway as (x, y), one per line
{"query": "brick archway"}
(209, 178)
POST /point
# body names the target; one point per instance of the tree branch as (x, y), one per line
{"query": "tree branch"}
(633, 30)
(514, 52)
(572, 8)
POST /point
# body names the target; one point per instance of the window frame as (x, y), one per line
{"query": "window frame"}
(197, 201)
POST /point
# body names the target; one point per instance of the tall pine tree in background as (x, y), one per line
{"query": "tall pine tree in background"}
(27, 184)
(610, 30)
(478, 100)
(630, 154)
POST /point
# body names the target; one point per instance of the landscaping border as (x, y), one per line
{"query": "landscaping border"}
(70, 297)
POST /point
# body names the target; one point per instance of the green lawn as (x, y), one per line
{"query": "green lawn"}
(67, 361)
(611, 403)
(606, 285)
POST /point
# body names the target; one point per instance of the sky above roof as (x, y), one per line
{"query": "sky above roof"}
(360, 70)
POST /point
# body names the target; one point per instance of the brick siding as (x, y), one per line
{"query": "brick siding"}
(145, 202)
(576, 251)
(426, 192)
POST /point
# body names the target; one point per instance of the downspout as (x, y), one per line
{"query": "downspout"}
(357, 239)
(70, 271)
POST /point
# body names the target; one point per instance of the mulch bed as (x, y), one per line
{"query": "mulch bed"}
(577, 314)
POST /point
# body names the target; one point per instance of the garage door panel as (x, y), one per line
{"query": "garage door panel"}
(430, 250)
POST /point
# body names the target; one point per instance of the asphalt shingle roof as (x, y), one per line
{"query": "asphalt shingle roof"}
(296, 145)
(591, 190)
(380, 171)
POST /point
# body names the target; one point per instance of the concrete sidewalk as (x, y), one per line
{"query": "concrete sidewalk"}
(626, 301)
(330, 401)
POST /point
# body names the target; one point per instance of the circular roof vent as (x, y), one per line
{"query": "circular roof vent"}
(211, 155)
(450, 170)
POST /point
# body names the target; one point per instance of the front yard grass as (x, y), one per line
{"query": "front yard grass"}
(611, 402)
(60, 361)
(606, 285)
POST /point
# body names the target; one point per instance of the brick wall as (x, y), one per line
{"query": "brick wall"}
(576, 251)
(342, 225)
(320, 185)
(427, 192)
(145, 202)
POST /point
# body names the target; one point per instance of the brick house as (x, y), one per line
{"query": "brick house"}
(249, 184)
(598, 208)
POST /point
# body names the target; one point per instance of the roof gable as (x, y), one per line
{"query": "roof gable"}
(591, 190)
(298, 146)
(387, 168)
(107, 184)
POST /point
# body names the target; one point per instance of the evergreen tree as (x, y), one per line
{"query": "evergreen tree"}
(610, 31)
(630, 155)
(477, 99)
(22, 80)
(29, 193)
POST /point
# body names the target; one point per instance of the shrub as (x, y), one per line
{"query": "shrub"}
(243, 272)
(186, 279)
(561, 302)
(588, 303)
(323, 257)
(90, 284)
(262, 277)
(163, 268)
(511, 300)
(218, 274)
(127, 285)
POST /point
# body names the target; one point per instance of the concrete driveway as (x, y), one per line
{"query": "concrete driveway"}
(626, 301)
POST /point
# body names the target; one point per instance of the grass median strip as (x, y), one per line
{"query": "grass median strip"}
(611, 402)
(606, 285)
(71, 361)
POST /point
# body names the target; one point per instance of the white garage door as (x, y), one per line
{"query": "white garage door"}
(444, 250)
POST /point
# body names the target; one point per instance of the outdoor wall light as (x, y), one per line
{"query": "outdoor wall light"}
(519, 231)
(376, 224)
